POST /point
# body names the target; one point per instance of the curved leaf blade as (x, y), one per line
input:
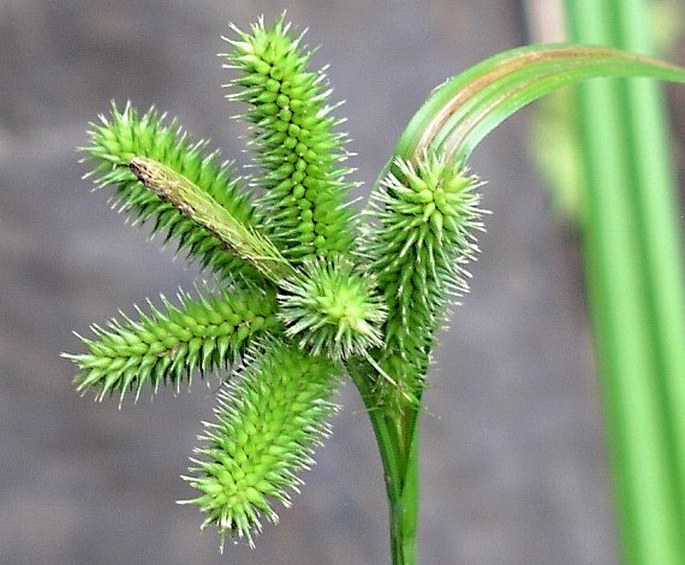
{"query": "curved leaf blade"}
(464, 109)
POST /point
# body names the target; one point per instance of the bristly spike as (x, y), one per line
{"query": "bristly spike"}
(126, 134)
(295, 142)
(268, 421)
(333, 308)
(211, 332)
(424, 217)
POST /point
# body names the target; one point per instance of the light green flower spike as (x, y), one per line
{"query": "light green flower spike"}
(267, 423)
(296, 276)
(332, 308)
(295, 142)
(126, 135)
(204, 334)
(427, 215)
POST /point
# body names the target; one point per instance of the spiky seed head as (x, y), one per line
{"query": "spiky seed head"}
(167, 346)
(425, 214)
(127, 134)
(297, 142)
(440, 193)
(333, 308)
(267, 424)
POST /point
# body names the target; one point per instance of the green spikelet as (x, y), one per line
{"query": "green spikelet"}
(125, 135)
(332, 307)
(426, 218)
(267, 425)
(295, 142)
(204, 333)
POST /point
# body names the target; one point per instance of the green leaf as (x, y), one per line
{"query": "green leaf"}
(463, 110)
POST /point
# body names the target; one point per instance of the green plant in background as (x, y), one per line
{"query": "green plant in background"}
(634, 275)
(309, 291)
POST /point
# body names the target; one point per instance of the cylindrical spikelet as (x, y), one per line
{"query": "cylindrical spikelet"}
(426, 218)
(267, 424)
(332, 308)
(203, 333)
(296, 144)
(125, 135)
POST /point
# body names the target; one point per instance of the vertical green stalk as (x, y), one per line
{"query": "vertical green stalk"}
(408, 512)
(402, 487)
(635, 286)
(397, 439)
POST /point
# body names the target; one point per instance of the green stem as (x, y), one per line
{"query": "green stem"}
(406, 516)
(397, 439)
(635, 285)
(403, 489)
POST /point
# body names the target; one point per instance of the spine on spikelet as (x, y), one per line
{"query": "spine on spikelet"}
(296, 145)
(204, 333)
(125, 135)
(422, 235)
(267, 425)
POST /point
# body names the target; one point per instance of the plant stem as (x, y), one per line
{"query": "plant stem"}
(409, 507)
(397, 438)
(635, 285)
(403, 488)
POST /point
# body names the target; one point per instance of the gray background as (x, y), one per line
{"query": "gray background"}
(513, 462)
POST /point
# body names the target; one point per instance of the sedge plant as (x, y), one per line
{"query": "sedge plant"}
(308, 291)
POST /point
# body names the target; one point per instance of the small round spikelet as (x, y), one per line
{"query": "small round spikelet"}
(332, 307)
(267, 424)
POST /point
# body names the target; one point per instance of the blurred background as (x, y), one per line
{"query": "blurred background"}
(513, 461)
